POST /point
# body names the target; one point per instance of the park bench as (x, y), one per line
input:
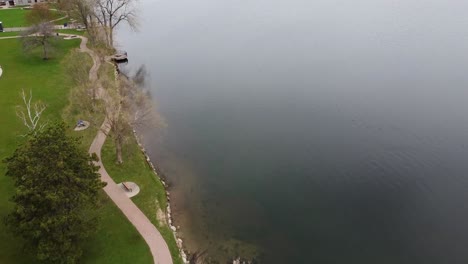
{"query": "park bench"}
(126, 187)
(80, 123)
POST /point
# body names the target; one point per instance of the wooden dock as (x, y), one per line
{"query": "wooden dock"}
(120, 57)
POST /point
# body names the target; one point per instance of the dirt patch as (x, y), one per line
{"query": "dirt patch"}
(161, 217)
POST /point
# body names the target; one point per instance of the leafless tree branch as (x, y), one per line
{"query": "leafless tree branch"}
(30, 114)
(111, 13)
(38, 35)
(128, 107)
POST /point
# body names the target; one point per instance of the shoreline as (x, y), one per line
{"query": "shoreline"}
(162, 179)
(184, 252)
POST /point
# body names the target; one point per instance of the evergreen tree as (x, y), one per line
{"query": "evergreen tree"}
(56, 189)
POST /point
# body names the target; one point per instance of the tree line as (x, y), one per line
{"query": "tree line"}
(101, 16)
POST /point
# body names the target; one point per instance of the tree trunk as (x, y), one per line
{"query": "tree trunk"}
(111, 32)
(111, 37)
(93, 90)
(106, 33)
(91, 31)
(118, 149)
(44, 51)
(84, 18)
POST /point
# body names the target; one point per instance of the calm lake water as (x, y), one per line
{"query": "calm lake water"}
(312, 131)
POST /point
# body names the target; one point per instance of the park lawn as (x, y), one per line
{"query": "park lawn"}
(13, 17)
(117, 241)
(10, 34)
(16, 17)
(55, 15)
(71, 31)
(64, 31)
(152, 196)
(62, 20)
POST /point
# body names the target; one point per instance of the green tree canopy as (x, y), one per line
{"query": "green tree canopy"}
(56, 188)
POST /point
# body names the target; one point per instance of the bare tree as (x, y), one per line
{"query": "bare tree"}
(118, 117)
(77, 70)
(87, 87)
(128, 107)
(78, 73)
(30, 113)
(40, 13)
(83, 102)
(110, 13)
(83, 12)
(39, 35)
(142, 105)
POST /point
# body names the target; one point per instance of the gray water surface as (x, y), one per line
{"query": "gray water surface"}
(327, 131)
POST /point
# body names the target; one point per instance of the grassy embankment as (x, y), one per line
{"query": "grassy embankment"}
(117, 241)
(14, 17)
(152, 198)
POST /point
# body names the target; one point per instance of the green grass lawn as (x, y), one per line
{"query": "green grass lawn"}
(16, 17)
(9, 34)
(117, 241)
(152, 194)
(71, 31)
(64, 31)
(61, 21)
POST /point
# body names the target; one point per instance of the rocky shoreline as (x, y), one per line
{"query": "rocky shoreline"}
(183, 253)
(169, 218)
(161, 178)
(158, 175)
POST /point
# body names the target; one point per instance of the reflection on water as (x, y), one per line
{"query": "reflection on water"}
(312, 131)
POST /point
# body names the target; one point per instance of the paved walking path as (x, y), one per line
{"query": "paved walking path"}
(156, 243)
(10, 37)
(58, 19)
(148, 231)
(17, 29)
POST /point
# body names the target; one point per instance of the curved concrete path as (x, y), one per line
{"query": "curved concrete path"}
(156, 243)
(148, 231)
(152, 237)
